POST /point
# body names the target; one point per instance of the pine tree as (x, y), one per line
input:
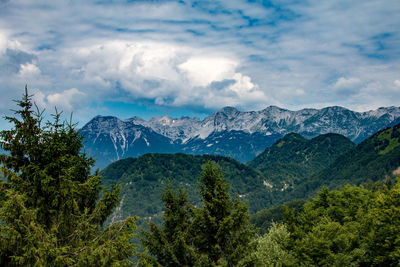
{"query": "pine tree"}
(222, 232)
(51, 213)
(216, 234)
(170, 244)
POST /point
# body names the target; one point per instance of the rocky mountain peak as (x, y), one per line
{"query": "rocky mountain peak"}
(103, 122)
(164, 120)
(229, 111)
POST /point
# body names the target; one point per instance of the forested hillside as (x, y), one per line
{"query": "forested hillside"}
(377, 159)
(374, 159)
(288, 163)
(294, 158)
(143, 180)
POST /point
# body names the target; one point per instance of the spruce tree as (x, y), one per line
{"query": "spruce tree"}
(51, 212)
(217, 233)
(222, 232)
(170, 244)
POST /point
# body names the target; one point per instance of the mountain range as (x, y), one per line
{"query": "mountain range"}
(228, 132)
(292, 168)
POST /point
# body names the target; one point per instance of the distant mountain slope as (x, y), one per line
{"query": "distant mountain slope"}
(293, 159)
(239, 145)
(282, 167)
(372, 160)
(108, 139)
(228, 132)
(375, 159)
(143, 179)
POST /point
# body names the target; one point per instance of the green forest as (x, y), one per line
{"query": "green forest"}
(56, 211)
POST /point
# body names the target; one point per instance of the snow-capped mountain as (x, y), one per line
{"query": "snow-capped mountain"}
(108, 139)
(176, 129)
(229, 132)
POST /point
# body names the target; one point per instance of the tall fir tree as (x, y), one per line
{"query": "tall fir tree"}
(51, 213)
(217, 233)
(170, 244)
(222, 233)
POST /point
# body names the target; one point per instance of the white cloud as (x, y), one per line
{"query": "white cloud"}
(28, 69)
(168, 74)
(39, 98)
(9, 43)
(202, 71)
(347, 83)
(3, 42)
(244, 87)
(300, 92)
(66, 99)
(127, 62)
(373, 88)
(208, 54)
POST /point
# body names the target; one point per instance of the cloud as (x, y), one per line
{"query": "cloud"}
(202, 55)
(202, 71)
(8, 44)
(345, 83)
(38, 98)
(13, 56)
(28, 69)
(3, 42)
(347, 86)
(168, 74)
(397, 83)
(66, 100)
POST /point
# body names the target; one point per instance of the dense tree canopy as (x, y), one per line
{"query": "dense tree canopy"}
(353, 226)
(51, 212)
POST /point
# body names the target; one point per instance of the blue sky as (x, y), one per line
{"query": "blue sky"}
(190, 58)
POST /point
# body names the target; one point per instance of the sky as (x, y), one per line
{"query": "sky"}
(191, 58)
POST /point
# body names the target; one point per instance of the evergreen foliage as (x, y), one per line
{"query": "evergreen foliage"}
(51, 213)
(294, 159)
(383, 238)
(216, 234)
(170, 244)
(331, 229)
(353, 226)
(264, 219)
(144, 179)
(374, 160)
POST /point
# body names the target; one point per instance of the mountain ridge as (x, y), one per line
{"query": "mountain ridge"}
(293, 158)
(375, 159)
(238, 134)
